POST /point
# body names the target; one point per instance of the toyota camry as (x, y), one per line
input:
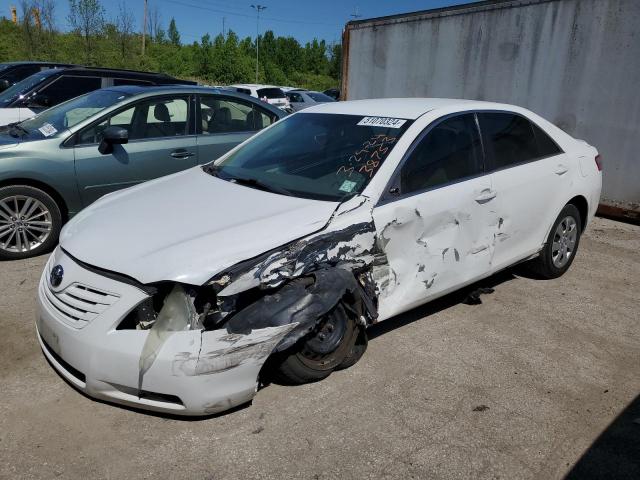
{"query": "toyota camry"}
(181, 294)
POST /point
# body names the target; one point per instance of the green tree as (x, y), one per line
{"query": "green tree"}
(86, 18)
(174, 35)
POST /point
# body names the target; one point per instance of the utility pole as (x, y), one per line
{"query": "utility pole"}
(258, 9)
(356, 15)
(223, 32)
(144, 27)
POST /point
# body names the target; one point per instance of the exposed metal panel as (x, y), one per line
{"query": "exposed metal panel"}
(575, 62)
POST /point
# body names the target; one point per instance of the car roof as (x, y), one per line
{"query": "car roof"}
(36, 62)
(253, 85)
(144, 91)
(177, 88)
(409, 108)
(80, 69)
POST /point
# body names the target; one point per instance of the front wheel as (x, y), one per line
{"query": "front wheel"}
(317, 355)
(562, 244)
(30, 222)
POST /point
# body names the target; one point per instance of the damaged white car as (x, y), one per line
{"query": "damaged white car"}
(173, 295)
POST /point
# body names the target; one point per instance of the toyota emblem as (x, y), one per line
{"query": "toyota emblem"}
(57, 273)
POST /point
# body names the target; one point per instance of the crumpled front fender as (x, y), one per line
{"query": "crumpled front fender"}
(303, 302)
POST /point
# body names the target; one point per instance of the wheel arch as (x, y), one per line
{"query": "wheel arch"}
(45, 187)
(581, 203)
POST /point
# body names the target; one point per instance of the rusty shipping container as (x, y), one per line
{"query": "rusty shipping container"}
(575, 62)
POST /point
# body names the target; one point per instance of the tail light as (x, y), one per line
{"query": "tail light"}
(599, 162)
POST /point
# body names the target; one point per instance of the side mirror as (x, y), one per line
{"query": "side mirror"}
(4, 84)
(112, 136)
(39, 100)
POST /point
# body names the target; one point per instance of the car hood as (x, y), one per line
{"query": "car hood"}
(187, 227)
(7, 141)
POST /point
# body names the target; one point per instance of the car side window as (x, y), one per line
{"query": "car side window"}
(67, 87)
(224, 115)
(156, 118)
(512, 139)
(546, 146)
(295, 97)
(450, 151)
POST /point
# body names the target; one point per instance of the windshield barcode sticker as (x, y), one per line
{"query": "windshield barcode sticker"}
(382, 122)
(47, 130)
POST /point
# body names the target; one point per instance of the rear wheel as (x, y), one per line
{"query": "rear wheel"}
(562, 244)
(30, 222)
(317, 355)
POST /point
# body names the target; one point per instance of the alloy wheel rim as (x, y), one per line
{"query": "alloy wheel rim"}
(25, 223)
(564, 241)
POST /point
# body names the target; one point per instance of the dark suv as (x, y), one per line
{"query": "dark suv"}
(45, 89)
(12, 72)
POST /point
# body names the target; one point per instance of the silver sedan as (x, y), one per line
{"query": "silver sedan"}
(301, 99)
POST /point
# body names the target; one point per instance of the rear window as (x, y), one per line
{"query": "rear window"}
(270, 93)
(320, 97)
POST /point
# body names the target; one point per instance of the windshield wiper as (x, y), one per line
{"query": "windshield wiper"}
(211, 169)
(254, 182)
(249, 182)
(16, 130)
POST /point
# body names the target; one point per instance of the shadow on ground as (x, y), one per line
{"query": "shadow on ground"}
(615, 454)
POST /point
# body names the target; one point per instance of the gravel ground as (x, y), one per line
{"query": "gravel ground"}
(525, 385)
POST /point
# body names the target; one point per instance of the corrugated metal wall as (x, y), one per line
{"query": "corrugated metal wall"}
(575, 62)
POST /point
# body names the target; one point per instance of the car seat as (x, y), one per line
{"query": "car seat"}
(254, 120)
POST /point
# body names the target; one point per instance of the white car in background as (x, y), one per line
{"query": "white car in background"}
(267, 93)
(301, 99)
(182, 294)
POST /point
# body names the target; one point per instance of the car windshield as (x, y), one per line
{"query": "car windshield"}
(270, 93)
(57, 119)
(317, 155)
(320, 97)
(23, 86)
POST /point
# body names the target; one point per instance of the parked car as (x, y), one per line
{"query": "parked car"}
(53, 165)
(267, 93)
(299, 100)
(172, 295)
(12, 72)
(289, 89)
(333, 93)
(45, 89)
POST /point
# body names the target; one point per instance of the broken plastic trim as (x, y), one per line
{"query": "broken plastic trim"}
(303, 301)
(177, 314)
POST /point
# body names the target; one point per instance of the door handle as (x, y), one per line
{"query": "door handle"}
(561, 170)
(486, 195)
(182, 154)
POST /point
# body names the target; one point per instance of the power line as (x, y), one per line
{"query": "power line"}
(226, 12)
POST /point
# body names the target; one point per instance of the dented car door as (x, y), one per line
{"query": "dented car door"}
(531, 175)
(435, 223)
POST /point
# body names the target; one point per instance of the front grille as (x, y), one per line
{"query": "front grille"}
(78, 304)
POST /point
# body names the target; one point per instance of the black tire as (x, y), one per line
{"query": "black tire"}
(14, 250)
(546, 265)
(318, 354)
(357, 351)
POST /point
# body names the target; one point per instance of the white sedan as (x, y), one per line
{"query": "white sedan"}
(185, 293)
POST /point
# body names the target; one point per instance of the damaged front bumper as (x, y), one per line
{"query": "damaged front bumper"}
(193, 372)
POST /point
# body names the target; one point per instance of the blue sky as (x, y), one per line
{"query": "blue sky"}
(303, 20)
